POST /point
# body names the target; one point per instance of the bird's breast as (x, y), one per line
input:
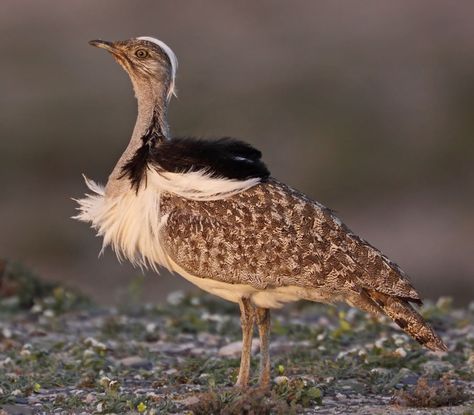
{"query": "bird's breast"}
(129, 222)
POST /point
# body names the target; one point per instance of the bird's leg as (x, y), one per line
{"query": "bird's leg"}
(246, 321)
(263, 323)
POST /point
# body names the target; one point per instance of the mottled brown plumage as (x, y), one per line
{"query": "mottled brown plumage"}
(210, 212)
(273, 236)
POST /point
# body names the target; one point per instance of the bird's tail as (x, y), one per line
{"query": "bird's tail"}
(402, 313)
(408, 319)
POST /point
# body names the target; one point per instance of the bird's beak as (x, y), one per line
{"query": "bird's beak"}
(103, 44)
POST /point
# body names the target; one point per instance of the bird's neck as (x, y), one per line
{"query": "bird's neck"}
(152, 109)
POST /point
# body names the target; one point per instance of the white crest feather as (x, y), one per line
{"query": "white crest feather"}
(172, 57)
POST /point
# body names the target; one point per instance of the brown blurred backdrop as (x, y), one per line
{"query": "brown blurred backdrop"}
(366, 106)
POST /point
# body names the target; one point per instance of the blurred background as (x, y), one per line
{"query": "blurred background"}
(366, 106)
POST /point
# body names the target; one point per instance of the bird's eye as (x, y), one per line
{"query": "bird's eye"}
(141, 53)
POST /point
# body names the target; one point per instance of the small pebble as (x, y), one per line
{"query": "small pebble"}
(90, 398)
(150, 328)
(135, 362)
(88, 353)
(7, 333)
(199, 351)
(380, 342)
(90, 341)
(175, 298)
(380, 371)
(281, 379)
(171, 371)
(401, 352)
(190, 400)
(16, 392)
(235, 349)
(48, 313)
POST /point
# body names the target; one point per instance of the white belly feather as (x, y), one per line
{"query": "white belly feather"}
(269, 298)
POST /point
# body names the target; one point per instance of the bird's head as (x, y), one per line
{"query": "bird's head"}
(148, 61)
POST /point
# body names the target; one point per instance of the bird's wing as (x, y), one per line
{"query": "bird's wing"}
(273, 236)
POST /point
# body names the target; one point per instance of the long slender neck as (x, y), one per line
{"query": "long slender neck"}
(152, 108)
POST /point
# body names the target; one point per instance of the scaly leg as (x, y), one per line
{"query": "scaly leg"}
(263, 323)
(246, 321)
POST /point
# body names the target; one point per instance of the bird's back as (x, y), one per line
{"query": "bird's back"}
(271, 238)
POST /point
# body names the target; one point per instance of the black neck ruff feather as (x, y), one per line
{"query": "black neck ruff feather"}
(226, 158)
(135, 168)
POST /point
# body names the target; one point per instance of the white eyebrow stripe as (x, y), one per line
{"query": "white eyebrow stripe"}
(172, 57)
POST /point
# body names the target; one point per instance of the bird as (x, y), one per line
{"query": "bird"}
(210, 211)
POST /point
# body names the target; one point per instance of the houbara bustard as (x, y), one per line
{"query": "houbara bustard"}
(211, 212)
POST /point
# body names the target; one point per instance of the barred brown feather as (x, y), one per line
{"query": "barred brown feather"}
(408, 319)
(272, 236)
